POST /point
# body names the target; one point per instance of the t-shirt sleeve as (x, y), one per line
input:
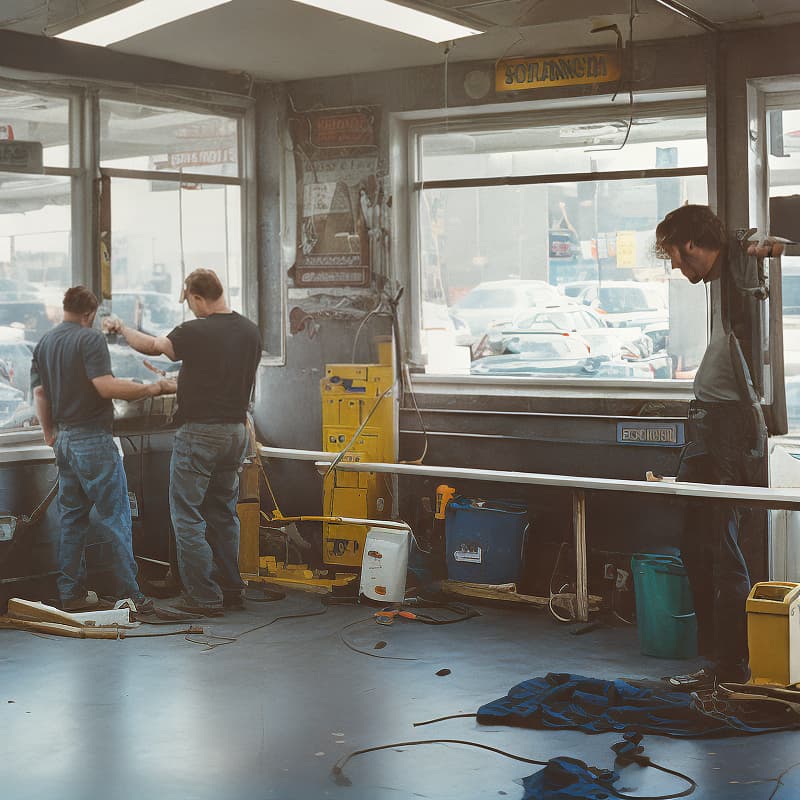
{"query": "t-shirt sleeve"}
(180, 341)
(96, 358)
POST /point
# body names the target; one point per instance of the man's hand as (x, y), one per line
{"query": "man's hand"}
(113, 325)
(49, 436)
(168, 385)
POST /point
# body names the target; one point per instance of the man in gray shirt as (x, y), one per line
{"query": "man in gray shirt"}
(73, 388)
(721, 434)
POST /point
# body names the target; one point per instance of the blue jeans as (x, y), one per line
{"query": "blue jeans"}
(720, 436)
(203, 491)
(90, 473)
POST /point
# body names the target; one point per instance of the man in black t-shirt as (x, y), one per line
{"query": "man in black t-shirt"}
(219, 351)
(73, 388)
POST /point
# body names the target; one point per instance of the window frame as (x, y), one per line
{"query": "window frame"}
(244, 113)
(83, 97)
(406, 128)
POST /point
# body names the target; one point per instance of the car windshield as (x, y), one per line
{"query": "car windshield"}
(488, 298)
(620, 300)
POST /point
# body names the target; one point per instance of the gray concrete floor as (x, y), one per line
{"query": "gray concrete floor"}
(268, 714)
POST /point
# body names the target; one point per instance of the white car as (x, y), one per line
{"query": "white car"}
(498, 302)
(626, 304)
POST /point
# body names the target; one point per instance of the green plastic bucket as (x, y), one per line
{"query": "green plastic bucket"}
(664, 606)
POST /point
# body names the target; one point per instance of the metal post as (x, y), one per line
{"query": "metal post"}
(579, 526)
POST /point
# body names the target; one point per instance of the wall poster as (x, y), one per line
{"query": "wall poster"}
(336, 160)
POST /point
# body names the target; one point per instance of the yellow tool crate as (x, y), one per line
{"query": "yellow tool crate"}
(773, 633)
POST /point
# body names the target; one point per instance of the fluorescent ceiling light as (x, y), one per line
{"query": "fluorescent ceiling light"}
(390, 15)
(135, 19)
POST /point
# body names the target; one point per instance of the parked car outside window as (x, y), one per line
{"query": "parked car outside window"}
(498, 302)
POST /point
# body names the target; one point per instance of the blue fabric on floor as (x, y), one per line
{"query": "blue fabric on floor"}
(567, 779)
(597, 706)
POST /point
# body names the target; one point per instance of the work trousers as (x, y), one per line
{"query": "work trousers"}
(720, 435)
(203, 492)
(90, 473)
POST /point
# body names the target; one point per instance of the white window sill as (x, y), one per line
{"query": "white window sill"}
(542, 387)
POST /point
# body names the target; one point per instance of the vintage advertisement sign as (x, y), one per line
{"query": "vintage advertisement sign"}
(544, 72)
(338, 196)
(18, 155)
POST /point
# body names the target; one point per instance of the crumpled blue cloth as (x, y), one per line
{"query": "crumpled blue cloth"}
(567, 778)
(560, 700)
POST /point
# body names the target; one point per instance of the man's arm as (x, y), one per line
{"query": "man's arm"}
(142, 342)
(44, 413)
(111, 388)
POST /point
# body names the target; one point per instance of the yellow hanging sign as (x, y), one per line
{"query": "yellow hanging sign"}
(542, 72)
(626, 249)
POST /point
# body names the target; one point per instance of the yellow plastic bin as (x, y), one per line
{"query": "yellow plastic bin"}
(773, 633)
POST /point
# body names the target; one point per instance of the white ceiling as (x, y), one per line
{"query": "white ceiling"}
(282, 40)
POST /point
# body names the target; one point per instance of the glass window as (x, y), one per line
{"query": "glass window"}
(784, 181)
(144, 137)
(654, 142)
(487, 254)
(32, 117)
(35, 271)
(163, 228)
(160, 233)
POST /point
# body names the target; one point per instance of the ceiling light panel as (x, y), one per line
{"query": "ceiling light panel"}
(135, 19)
(386, 14)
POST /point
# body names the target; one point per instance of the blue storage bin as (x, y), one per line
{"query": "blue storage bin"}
(485, 540)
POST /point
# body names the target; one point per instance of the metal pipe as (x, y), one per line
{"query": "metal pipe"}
(581, 581)
(754, 496)
(688, 13)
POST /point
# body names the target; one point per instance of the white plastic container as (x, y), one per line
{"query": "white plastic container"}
(384, 565)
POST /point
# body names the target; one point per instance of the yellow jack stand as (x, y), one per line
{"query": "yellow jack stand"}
(297, 575)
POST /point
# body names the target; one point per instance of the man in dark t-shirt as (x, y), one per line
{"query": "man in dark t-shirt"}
(73, 388)
(220, 351)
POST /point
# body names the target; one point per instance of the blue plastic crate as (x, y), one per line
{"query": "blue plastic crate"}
(485, 540)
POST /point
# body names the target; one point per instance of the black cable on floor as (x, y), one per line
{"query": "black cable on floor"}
(232, 639)
(779, 780)
(338, 767)
(355, 649)
(442, 719)
(340, 764)
(647, 763)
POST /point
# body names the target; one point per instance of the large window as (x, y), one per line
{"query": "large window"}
(38, 182)
(784, 187)
(172, 198)
(522, 225)
(175, 200)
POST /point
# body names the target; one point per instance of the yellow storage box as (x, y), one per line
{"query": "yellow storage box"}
(773, 633)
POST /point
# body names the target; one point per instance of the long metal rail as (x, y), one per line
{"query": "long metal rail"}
(755, 496)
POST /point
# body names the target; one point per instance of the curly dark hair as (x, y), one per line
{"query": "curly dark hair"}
(80, 300)
(690, 223)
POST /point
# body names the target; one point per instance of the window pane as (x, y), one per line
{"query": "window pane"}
(27, 116)
(560, 149)
(784, 181)
(134, 136)
(150, 219)
(35, 271)
(506, 260)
